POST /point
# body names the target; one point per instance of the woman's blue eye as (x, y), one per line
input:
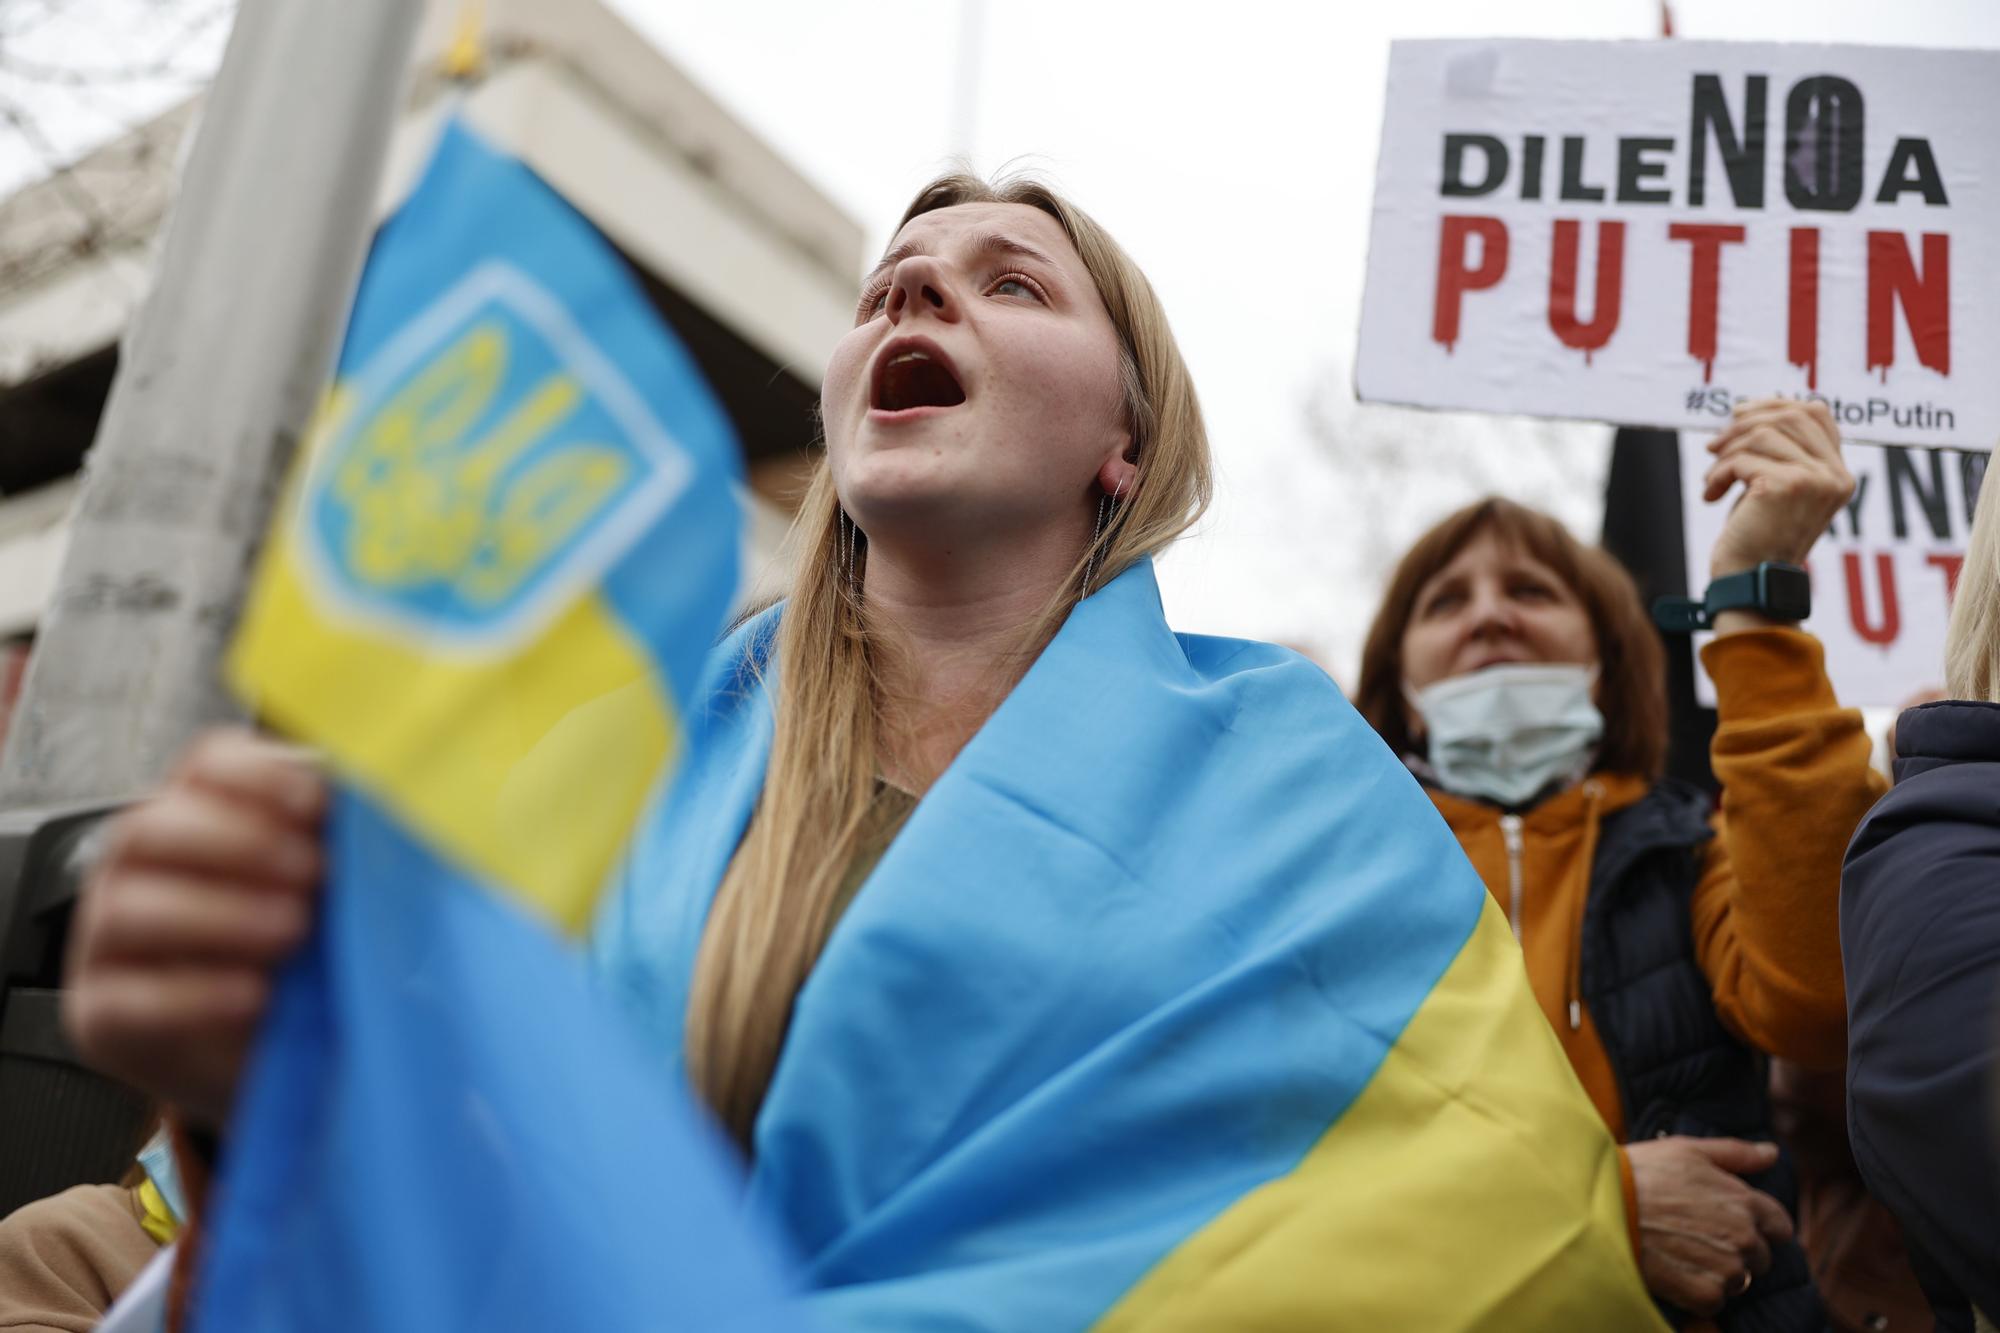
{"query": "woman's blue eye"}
(1020, 288)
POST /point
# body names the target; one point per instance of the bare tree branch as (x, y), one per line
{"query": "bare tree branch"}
(76, 75)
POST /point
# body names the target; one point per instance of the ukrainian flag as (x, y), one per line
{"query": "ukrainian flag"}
(1173, 1006)
(510, 542)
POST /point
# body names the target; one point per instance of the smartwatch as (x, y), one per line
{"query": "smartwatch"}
(1777, 591)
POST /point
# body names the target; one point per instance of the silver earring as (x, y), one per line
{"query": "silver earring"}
(1105, 504)
(844, 542)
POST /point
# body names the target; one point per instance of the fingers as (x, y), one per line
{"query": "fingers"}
(1701, 1292)
(182, 1036)
(1778, 446)
(1790, 479)
(1761, 1224)
(139, 1008)
(201, 893)
(1747, 468)
(1705, 1235)
(1786, 470)
(253, 770)
(191, 829)
(1799, 436)
(1719, 479)
(1738, 1156)
(1770, 1217)
(1754, 1252)
(1770, 440)
(1717, 1261)
(167, 915)
(1811, 423)
(1691, 1287)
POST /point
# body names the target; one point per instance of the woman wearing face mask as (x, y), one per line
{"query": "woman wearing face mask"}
(1044, 972)
(1517, 672)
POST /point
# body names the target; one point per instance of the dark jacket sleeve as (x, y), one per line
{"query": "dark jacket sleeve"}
(1920, 934)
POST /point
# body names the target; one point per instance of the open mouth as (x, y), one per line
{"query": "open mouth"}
(910, 376)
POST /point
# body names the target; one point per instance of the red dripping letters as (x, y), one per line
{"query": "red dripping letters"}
(1573, 332)
(1882, 629)
(1704, 285)
(1455, 279)
(1897, 283)
(1926, 300)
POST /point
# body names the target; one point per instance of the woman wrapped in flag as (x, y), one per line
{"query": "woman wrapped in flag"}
(1051, 969)
(1054, 970)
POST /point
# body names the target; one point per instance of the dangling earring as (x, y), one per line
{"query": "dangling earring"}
(1105, 504)
(844, 542)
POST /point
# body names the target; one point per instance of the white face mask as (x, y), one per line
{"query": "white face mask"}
(1508, 732)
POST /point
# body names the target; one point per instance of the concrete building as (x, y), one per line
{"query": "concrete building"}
(751, 264)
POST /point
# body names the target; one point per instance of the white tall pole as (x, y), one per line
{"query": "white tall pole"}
(219, 374)
(971, 65)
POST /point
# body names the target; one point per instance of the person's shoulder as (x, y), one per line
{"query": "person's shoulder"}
(1950, 804)
(81, 1210)
(85, 1240)
(1935, 838)
(1941, 815)
(1947, 769)
(1957, 738)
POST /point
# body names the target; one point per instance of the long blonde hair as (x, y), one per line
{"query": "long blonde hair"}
(778, 900)
(1972, 644)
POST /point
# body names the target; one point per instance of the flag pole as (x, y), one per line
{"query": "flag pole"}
(971, 62)
(218, 376)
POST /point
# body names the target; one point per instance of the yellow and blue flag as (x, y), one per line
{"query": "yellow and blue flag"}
(1173, 1006)
(508, 547)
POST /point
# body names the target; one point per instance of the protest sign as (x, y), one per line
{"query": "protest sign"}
(1649, 232)
(1882, 575)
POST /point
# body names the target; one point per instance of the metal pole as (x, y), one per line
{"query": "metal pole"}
(971, 64)
(219, 374)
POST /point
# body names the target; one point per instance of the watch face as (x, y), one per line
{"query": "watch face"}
(1787, 592)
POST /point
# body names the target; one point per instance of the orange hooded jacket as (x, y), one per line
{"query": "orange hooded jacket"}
(1796, 779)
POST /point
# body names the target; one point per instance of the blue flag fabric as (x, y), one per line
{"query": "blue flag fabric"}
(448, 1127)
(1173, 1006)
(512, 541)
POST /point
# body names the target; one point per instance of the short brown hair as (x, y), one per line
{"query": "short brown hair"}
(1632, 686)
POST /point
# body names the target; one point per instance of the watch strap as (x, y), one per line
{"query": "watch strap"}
(1746, 590)
(1742, 591)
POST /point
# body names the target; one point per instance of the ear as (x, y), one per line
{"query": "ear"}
(1117, 474)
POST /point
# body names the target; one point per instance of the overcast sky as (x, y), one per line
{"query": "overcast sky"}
(1231, 148)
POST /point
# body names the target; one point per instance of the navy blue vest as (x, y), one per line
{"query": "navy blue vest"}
(1679, 1070)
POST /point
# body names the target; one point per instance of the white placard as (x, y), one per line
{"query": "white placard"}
(1647, 232)
(1883, 574)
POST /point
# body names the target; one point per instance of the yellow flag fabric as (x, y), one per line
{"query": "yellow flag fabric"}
(514, 507)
